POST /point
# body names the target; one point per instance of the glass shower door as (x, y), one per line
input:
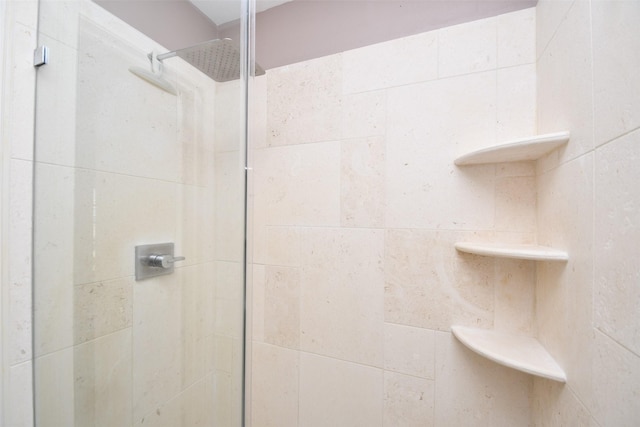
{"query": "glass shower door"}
(122, 163)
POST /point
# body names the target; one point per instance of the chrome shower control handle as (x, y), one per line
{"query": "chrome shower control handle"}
(163, 261)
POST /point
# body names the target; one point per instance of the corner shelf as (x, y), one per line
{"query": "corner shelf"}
(515, 151)
(530, 252)
(519, 352)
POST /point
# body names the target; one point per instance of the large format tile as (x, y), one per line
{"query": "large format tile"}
(228, 206)
(113, 214)
(550, 15)
(54, 388)
(517, 38)
(282, 306)
(409, 350)
(616, 373)
(363, 182)
(157, 342)
(114, 114)
(564, 292)
(18, 411)
(392, 63)
(18, 289)
(341, 283)
(516, 103)
(555, 404)
(364, 114)
(304, 102)
(274, 386)
(337, 393)
(617, 240)
(616, 59)
(472, 390)
(299, 185)
(429, 284)
(102, 308)
(565, 85)
(53, 248)
(408, 401)
(425, 133)
(103, 381)
(467, 48)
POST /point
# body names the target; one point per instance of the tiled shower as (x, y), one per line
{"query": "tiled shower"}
(354, 207)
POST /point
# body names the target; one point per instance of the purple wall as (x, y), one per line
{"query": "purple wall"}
(172, 23)
(306, 29)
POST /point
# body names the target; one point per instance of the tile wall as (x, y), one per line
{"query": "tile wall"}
(588, 202)
(356, 207)
(119, 163)
(18, 21)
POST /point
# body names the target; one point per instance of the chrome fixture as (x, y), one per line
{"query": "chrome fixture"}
(155, 260)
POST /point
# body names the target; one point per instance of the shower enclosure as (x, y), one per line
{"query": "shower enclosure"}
(120, 164)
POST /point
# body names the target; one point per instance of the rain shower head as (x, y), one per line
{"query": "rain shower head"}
(218, 59)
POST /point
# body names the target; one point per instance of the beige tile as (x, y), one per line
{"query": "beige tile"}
(616, 59)
(112, 215)
(515, 296)
(103, 380)
(337, 393)
(229, 121)
(409, 350)
(229, 318)
(223, 398)
(516, 204)
(198, 314)
(229, 281)
(564, 292)
(223, 353)
(53, 244)
(274, 386)
(406, 60)
(363, 182)
(229, 204)
(282, 307)
(565, 84)
(54, 374)
(517, 38)
(364, 114)
(516, 103)
(195, 229)
(258, 112)
(102, 308)
(408, 401)
(18, 292)
(19, 77)
(60, 20)
(554, 404)
(616, 374)
(516, 169)
(157, 339)
(197, 403)
(56, 105)
(283, 246)
(467, 48)
(150, 139)
(498, 396)
(299, 185)
(341, 281)
(168, 414)
(617, 234)
(304, 102)
(257, 302)
(429, 284)
(19, 401)
(550, 15)
(425, 133)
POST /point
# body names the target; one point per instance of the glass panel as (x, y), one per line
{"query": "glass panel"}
(122, 162)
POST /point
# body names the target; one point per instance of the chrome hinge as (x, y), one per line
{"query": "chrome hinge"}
(40, 56)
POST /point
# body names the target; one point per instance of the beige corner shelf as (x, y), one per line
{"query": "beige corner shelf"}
(530, 252)
(516, 351)
(516, 151)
